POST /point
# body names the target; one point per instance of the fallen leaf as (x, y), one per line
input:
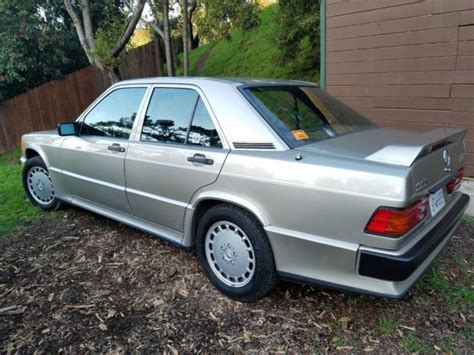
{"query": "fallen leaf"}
(345, 321)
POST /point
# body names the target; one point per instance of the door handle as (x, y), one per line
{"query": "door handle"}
(200, 159)
(116, 148)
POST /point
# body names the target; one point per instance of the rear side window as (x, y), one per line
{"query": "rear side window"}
(202, 131)
(168, 115)
(179, 116)
(114, 115)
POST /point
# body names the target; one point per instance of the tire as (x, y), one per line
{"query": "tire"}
(235, 253)
(38, 184)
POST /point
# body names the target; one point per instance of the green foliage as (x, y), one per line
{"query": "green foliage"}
(37, 44)
(251, 53)
(106, 37)
(298, 31)
(14, 207)
(221, 17)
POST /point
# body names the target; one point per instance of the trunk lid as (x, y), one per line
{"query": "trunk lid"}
(433, 158)
(388, 146)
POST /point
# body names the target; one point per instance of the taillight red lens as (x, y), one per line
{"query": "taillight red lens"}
(456, 182)
(396, 222)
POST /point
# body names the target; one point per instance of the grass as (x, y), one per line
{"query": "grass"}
(448, 346)
(457, 299)
(387, 325)
(340, 342)
(15, 209)
(253, 53)
(412, 344)
(468, 219)
(434, 279)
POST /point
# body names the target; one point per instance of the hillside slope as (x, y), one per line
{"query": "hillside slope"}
(253, 54)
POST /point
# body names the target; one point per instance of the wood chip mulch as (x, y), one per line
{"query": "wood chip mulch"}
(76, 282)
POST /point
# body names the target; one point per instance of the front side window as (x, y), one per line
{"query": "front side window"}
(179, 116)
(305, 114)
(114, 115)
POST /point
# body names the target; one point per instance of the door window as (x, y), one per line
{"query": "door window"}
(202, 131)
(169, 116)
(115, 114)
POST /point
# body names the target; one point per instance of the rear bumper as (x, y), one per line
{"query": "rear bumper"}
(330, 263)
(399, 267)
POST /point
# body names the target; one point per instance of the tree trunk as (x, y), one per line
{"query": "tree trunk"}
(167, 39)
(185, 38)
(113, 74)
(159, 57)
(193, 39)
(85, 33)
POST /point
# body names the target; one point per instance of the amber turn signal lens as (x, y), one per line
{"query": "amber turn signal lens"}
(455, 182)
(397, 222)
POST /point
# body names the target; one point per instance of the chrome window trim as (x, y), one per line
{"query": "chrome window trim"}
(245, 93)
(106, 93)
(200, 92)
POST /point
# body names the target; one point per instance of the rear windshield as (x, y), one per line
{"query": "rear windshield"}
(305, 114)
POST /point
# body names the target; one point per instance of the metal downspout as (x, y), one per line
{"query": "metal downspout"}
(322, 44)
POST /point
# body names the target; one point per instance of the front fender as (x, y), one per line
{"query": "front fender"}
(37, 148)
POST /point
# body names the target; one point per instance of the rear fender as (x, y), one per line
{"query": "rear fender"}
(217, 196)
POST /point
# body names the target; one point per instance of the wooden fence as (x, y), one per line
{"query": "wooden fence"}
(43, 107)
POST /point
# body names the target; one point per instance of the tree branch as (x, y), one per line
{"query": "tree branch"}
(158, 30)
(79, 29)
(132, 23)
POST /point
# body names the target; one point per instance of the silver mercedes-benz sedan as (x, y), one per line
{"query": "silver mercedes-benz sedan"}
(267, 180)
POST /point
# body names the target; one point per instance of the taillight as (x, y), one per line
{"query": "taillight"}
(455, 182)
(393, 222)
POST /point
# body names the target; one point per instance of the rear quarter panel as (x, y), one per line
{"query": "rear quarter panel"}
(322, 196)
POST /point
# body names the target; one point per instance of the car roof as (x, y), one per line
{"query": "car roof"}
(223, 80)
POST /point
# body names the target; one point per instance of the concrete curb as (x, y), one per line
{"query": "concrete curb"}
(468, 188)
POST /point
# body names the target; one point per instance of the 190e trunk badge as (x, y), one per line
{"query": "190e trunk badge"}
(447, 160)
(420, 185)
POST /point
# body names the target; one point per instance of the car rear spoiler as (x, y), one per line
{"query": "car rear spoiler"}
(430, 141)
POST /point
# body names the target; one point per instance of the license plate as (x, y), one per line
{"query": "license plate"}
(437, 202)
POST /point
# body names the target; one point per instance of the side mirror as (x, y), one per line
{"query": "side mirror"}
(68, 129)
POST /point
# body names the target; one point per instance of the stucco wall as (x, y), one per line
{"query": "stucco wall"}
(404, 63)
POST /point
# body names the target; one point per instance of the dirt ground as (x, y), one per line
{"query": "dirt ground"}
(76, 282)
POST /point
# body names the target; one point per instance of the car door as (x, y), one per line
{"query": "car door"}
(179, 149)
(93, 161)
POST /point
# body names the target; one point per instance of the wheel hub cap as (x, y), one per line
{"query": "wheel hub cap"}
(40, 185)
(230, 254)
